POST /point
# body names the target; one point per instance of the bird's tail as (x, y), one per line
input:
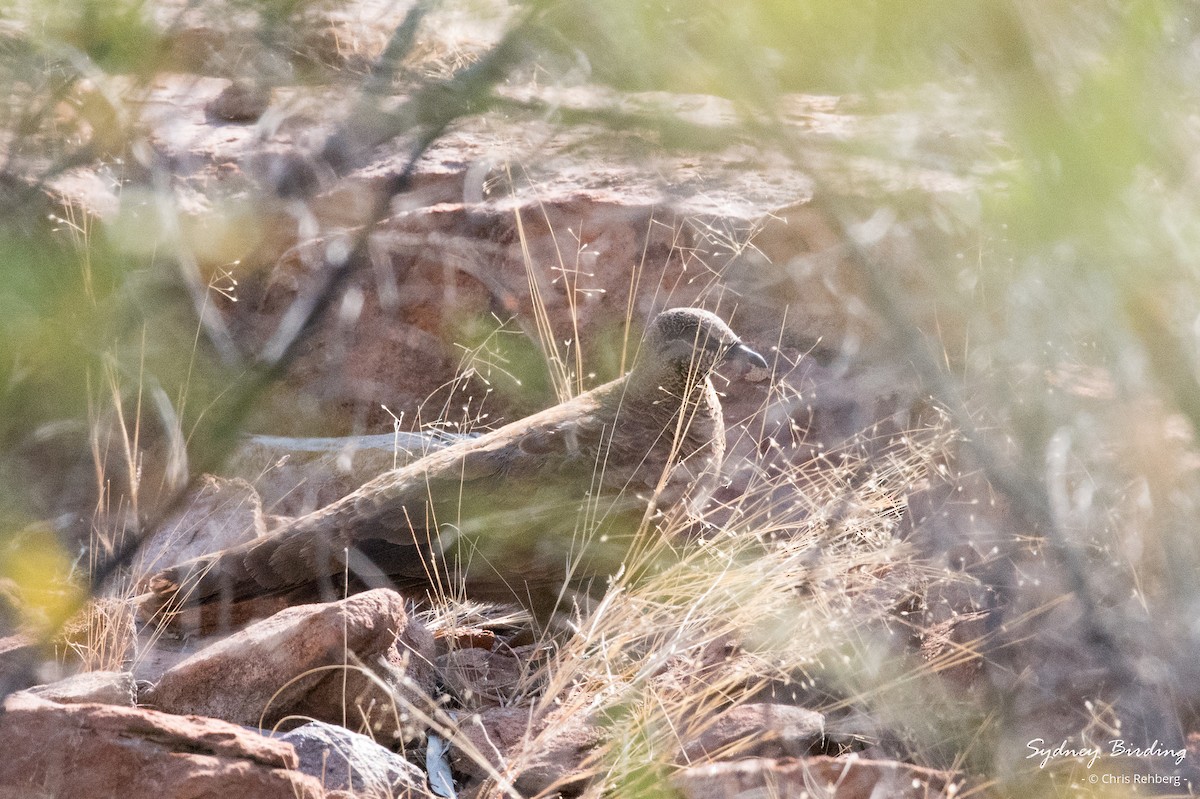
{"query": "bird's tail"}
(227, 576)
(201, 580)
(305, 552)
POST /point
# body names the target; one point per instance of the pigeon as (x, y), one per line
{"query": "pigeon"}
(546, 501)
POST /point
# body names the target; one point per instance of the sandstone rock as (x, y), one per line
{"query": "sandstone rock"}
(206, 37)
(534, 752)
(91, 687)
(20, 660)
(480, 676)
(465, 637)
(555, 758)
(110, 752)
(221, 513)
(491, 736)
(460, 213)
(240, 101)
(344, 760)
(757, 730)
(833, 778)
(301, 661)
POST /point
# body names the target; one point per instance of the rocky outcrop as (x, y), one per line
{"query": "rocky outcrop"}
(524, 244)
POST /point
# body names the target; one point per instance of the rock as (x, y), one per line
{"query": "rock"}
(20, 660)
(221, 513)
(344, 760)
(334, 37)
(757, 730)
(555, 758)
(303, 661)
(536, 752)
(240, 101)
(954, 648)
(109, 752)
(480, 676)
(834, 778)
(459, 211)
(94, 687)
(466, 637)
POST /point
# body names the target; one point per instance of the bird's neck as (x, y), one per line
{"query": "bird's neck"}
(670, 388)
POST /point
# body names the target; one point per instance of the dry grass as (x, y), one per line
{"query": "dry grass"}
(785, 595)
(101, 637)
(792, 587)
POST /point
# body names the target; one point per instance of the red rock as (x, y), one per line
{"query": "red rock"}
(291, 664)
(480, 676)
(829, 777)
(466, 638)
(240, 101)
(760, 730)
(90, 687)
(534, 752)
(110, 752)
(220, 514)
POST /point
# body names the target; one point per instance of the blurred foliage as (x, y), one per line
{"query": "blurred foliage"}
(37, 567)
(116, 37)
(748, 50)
(1067, 306)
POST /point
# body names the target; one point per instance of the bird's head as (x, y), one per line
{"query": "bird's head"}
(692, 341)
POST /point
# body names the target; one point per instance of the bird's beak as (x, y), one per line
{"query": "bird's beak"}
(744, 353)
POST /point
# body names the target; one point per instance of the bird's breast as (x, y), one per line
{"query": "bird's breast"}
(671, 451)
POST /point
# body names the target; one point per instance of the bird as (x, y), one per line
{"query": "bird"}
(521, 510)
